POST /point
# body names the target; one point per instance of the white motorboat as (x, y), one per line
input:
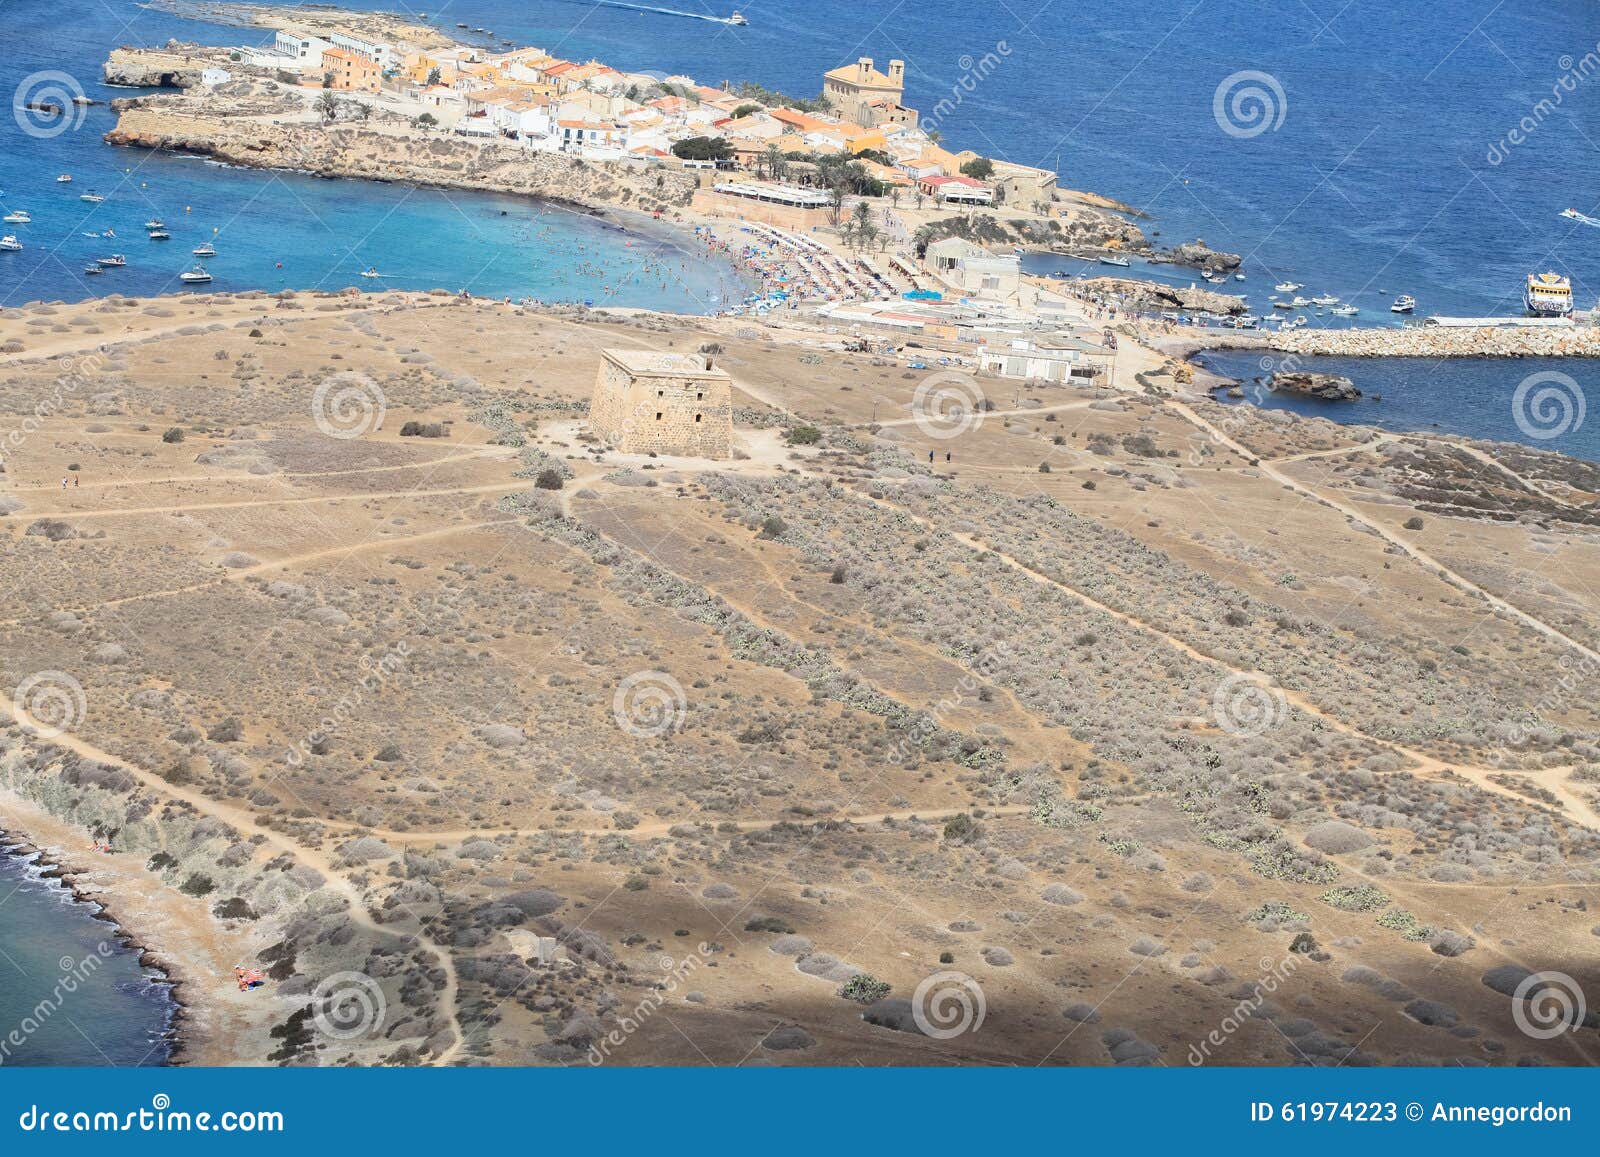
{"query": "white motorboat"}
(1119, 262)
(1325, 299)
(1288, 286)
(17, 217)
(114, 261)
(64, 179)
(195, 276)
(92, 198)
(10, 244)
(204, 249)
(1405, 303)
(1299, 302)
(1344, 311)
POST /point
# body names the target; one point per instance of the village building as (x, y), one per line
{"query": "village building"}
(955, 190)
(348, 71)
(973, 270)
(1064, 360)
(853, 88)
(661, 402)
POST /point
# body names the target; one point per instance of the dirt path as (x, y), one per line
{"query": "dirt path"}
(365, 496)
(1412, 551)
(246, 824)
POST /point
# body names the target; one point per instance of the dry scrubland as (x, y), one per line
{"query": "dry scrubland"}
(1225, 722)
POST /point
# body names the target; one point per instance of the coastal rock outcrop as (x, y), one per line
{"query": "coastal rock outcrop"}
(1322, 387)
(178, 66)
(1200, 255)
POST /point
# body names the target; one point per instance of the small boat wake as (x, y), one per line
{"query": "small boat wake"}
(1581, 218)
(736, 19)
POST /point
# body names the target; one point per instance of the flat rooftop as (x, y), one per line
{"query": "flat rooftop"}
(663, 363)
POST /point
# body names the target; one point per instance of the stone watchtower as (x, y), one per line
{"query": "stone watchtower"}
(663, 403)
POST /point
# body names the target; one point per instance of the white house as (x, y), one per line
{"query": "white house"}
(382, 55)
(973, 270)
(1057, 360)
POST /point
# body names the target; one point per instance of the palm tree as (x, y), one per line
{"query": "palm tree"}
(777, 163)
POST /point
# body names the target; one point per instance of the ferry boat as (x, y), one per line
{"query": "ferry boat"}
(1548, 295)
(17, 217)
(1405, 303)
(204, 249)
(738, 19)
(115, 260)
(10, 244)
(1288, 286)
(1119, 262)
(194, 276)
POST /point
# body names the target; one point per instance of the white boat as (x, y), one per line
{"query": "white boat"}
(737, 19)
(195, 276)
(1248, 321)
(1288, 286)
(160, 235)
(1581, 218)
(116, 259)
(1344, 311)
(1325, 299)
(1119, 262)
(92, 268)
(1238, 277)
(1548, 295)
(64, 179)
(1299, 302)
(155, 223)
(92, 198)
(204, 249)
(10, 244)
(1282, 305)
(1405, 303)
(17, 217)
(370, 272)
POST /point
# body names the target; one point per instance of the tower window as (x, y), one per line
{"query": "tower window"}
(697, 417)
(658, 415)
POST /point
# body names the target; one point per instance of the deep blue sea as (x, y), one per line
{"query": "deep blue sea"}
(71, 994)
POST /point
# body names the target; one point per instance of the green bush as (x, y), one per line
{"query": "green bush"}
(864, 988)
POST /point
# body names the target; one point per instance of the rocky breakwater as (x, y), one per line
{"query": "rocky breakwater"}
(389, 153)
(176, 66)
(1153, 295)
(1430, 341)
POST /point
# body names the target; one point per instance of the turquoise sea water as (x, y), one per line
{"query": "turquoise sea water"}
(70, 993)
